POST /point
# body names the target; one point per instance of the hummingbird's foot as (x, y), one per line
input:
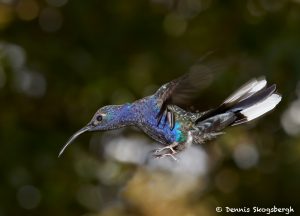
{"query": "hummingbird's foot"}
(169, 151)
(165, 155)
(169, 147)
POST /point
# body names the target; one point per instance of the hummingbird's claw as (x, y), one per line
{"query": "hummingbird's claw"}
(165, 155)
(158, 153)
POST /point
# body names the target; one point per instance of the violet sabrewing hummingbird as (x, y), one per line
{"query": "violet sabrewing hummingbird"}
(160, 117)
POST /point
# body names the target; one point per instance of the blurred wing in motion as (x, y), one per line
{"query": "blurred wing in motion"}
(183, 90)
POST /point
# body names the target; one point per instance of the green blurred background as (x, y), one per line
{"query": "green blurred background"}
(60, 60)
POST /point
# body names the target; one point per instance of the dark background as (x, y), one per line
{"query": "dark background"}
(61, 60)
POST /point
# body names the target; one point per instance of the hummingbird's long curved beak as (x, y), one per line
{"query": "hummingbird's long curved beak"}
(81, 131)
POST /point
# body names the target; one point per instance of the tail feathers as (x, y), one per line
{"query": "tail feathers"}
(259, 109)
(246, 91)
(249, 102)
(253, 99)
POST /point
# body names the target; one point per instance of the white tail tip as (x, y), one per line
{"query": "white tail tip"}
(262, 107)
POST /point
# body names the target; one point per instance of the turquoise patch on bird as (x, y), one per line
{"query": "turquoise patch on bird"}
(178, 133)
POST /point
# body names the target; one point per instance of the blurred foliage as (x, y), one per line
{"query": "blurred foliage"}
(60, 60)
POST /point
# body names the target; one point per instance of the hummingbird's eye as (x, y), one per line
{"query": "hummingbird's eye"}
(99, 118)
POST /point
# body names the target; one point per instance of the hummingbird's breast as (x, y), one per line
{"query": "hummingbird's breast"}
(147, 110)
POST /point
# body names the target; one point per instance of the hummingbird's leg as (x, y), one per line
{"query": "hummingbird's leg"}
(164, 155)
(158, 153)
(169, 147)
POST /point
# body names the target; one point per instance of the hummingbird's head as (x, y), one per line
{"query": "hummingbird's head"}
(106, 118)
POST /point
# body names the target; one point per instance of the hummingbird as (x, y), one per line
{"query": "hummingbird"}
(162, 118)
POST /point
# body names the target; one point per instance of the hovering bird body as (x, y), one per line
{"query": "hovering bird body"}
(159, 116)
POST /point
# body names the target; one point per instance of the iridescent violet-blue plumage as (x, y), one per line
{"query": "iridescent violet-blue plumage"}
(159, 116)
